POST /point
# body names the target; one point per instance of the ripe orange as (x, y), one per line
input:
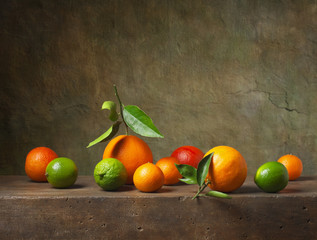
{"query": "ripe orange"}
(131, 151)
(228, 169)
(188, 155)
(171, 174)
(37, 161)
(293, 165)
(148, 178)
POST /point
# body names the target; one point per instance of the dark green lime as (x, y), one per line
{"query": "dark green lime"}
(271, 177)
(61, 172)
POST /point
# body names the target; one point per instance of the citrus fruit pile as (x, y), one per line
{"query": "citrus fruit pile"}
(227, 171)
(127, 159)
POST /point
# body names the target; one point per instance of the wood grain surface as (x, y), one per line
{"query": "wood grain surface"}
(32, 210)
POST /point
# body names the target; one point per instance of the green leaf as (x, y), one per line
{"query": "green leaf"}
(218, 194)
(203, 168)
(139, 122)
(188, 180)
(188, 172)
(113, 116)
(107, 135)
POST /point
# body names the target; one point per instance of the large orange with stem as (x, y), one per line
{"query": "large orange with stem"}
(228, 169)
(131, 151)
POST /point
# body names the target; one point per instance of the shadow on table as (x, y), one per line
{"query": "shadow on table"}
(125, 188)
(76, 186)
(248, 189)
(305, 178)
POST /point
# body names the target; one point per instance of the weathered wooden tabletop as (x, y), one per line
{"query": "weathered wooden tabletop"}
(31, 210)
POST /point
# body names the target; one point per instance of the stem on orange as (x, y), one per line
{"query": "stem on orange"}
(121, 109)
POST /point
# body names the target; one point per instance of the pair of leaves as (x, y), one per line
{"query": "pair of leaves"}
(195, 176)
(198, 176)
(133, 117)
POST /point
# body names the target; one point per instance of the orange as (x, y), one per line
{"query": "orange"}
(37, 161)
(293, 165)
(171, 174)
(148, 178)
(131, 151)
(228, 169)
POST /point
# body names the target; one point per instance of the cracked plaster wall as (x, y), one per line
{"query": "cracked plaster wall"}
(237, 73)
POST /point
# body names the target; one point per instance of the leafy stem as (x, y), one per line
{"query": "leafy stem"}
(132, 117)
(121, 109)
(201, 188)
(199, 176)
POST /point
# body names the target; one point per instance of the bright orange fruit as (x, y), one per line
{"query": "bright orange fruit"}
(171, 174)
(148, 178)
(228, 169)
(293, 165)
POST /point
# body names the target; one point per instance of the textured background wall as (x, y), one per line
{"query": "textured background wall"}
(238, 73)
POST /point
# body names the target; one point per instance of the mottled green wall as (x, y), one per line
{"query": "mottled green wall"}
(237, 73)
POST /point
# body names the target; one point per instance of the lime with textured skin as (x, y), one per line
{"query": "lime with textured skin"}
(110, 174)
(271, 177)
(61, 172)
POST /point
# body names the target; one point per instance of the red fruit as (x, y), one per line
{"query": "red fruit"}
(188, 155)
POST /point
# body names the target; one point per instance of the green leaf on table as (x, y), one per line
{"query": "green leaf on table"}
(139, 122)
(107, 135)
(112, 106)
(203, 168)
(188, 172)
(218, 194)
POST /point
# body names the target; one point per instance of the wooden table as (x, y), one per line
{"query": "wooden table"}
(32, 210)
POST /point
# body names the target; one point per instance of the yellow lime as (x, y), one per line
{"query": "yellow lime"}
(110, 174)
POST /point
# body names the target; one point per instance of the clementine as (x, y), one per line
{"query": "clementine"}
(131, 151)
(293, 165)
(228, 169)
(148, 178)
(171, 174)
(37, 161)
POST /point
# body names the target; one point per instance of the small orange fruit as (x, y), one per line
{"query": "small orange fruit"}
(293, 165)
(148, 178)
(131, 151)
(228, 169)
(171, 174)
(37, 161)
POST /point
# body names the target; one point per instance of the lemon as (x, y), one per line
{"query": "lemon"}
(110, 174)
(271, 177)
(61, 172)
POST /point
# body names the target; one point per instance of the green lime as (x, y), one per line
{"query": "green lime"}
(110, 174)
(271, 177)
(61, 172)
